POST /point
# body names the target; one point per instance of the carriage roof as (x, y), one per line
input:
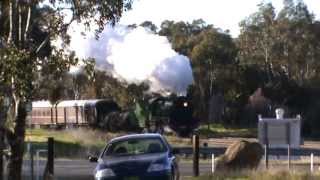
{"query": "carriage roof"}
(67, 103)
(41, 104)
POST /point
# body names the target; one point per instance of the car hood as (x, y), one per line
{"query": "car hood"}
(143, 158)
(130, 165)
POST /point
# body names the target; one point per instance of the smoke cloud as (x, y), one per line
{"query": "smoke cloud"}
(135, 55)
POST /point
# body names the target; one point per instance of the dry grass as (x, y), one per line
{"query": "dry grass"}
(90, 137)
(178, 141)
(283, 175)
(83, 136)
(259, 175)
(87, 136)
(71, 143)
(219, 130)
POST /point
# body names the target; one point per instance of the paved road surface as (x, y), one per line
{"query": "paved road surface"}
(82, 169)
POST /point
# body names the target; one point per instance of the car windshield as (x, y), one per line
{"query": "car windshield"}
(135, 146)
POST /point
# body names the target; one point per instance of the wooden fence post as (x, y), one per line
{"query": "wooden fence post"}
(212, 164)
(31, 162)
(289, 145)
(51, 155)
(195, 147)
(266, 142)
(311, 162)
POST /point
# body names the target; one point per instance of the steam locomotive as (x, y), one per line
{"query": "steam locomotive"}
(176, 113)
(153, 116)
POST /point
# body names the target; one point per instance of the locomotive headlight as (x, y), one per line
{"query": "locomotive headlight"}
(185, 104)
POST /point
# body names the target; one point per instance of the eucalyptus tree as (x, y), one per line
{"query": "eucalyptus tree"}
(297, 41)
(177, 33)
(285, 43)
(291, 39)
(27, 28)
(180, 33)
(148, 24)
(257, 38)
(212, 56)
(212, 53)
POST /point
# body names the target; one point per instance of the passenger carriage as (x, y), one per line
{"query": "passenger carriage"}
(70, 112)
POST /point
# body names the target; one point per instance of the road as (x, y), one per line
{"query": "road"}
(82, 169)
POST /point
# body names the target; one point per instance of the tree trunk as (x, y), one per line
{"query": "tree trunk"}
(17, 143)
(2, 119)
(5, 4)
(19, 27)
(15, 19)
(10, 23)
(27, 23)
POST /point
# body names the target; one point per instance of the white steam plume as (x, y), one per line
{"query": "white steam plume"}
(135, 55)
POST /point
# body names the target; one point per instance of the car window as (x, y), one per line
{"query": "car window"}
(136, 146)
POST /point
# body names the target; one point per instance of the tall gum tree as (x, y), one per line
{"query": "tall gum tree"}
(26, 29)
(211, 55)
(284, 43)
(257, 38)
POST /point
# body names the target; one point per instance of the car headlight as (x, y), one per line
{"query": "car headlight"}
(159, 167)
(104, 173)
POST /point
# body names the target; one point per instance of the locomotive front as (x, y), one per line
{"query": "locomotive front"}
(181, 118)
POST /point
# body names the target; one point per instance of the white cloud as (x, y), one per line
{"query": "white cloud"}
(135, 55)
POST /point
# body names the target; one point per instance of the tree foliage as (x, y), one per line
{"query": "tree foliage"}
(26, 30)
(211, 58)
(148, 24)
(276, 52)
(212, 53)
(283, 43)
(285, 46)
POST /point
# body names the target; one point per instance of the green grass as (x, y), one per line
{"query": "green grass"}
(70, 143)
(81, 142)
(219, 130)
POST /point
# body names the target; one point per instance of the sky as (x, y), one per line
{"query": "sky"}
(122, 50)
(224, 14)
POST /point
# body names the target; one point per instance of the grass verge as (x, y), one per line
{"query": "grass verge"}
(259, 175)
(219, 130)
(70, 143)
(81, 142)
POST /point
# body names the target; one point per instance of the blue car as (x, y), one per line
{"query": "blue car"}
(137, 157)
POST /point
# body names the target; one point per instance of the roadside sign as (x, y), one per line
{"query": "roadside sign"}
(280, 133)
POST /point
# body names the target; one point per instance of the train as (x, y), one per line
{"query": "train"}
(70, 112)
(153, 115)
(176, 113)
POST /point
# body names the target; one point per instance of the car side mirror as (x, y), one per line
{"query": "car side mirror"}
(93, 159)
(175, 151)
